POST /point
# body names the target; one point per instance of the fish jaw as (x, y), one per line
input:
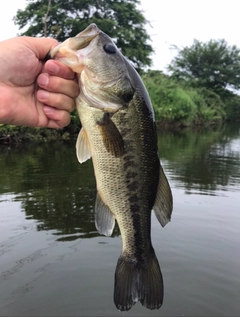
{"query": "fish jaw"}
(73, 51)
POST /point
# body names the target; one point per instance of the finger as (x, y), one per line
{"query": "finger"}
(56, 68)
(56, 100)
(58, 85)
(57, 118)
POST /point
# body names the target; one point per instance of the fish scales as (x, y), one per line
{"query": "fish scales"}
(127, 192)
(119, 133)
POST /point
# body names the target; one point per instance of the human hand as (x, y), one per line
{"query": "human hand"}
(34, 93)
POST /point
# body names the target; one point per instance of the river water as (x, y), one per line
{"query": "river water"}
(53, 262)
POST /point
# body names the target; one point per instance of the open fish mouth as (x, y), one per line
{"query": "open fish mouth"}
(82, 40)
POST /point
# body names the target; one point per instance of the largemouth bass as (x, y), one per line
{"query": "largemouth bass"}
(119, 133)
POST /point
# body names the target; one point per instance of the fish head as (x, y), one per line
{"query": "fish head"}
(103, 76)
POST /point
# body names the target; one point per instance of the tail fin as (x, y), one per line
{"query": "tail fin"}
(138, 281)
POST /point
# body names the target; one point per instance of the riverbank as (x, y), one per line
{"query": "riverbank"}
(16, 135)
(177, 105)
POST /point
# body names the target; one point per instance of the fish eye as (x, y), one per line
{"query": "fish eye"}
(109, 48)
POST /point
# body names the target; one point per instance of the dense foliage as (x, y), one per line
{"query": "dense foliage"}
(120, 19)
(213, 65)
(177, 103)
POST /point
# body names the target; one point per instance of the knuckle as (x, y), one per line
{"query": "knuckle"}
(55, 83)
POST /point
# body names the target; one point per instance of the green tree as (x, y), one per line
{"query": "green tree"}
(120, 19)
(213, 65)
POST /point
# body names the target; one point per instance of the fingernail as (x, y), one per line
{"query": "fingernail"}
(42, 95)
(43, 80)
(52, 67)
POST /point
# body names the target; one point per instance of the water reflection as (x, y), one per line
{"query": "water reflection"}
(203, 161)
(52, 187)
(59, 193)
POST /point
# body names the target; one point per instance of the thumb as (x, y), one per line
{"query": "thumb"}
(40, 46)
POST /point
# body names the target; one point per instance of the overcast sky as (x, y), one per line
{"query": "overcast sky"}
(174, 22)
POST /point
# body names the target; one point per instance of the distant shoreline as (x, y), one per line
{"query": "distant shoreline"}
(16, 135)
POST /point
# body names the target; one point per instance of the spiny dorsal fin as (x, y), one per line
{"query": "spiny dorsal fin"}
(83, 147)
(111, 137)
(164, 202)
(104, 219)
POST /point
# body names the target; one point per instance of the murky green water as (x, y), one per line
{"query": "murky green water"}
(54, 263)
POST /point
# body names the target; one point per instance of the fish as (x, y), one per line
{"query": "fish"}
(119, 133)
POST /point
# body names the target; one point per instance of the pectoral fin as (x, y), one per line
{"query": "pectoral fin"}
(111, 136)
(164, 202)
(104, 219)
(83, 147)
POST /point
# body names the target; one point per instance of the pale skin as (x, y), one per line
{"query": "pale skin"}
(33, 92)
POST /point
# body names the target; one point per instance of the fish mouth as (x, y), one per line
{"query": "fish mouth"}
(91, 30)
(82, 40)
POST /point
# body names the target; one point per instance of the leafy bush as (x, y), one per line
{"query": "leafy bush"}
(177, 101)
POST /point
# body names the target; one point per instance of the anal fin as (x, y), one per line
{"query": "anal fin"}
(104, 218)
(164, 202)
